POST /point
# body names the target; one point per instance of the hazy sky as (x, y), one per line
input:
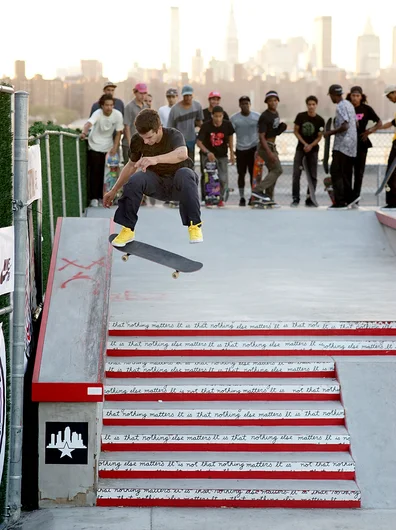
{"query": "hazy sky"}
(50, 35)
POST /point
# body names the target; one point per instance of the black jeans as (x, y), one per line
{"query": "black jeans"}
(312, 162)
(183, 187)
(391, 194)
(358, 172)
(245, 162)
(96, 167)
(341, 177)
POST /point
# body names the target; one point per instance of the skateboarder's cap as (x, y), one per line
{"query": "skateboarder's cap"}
(187, 90)
(214, 94)
(271, 94)
(244, 98)
(171, 92)
(389, 89)
(335, 90)
(141, 87)
(108, 84)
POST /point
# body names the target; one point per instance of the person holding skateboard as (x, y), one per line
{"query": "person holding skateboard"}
(269, 127)
(308, 128)
(245, 125)
(364, 114)
(214, 139)
(159, 167)
(390, 93)
(103, 123)
(344, 148)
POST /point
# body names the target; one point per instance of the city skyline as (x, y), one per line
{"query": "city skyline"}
(152, 50)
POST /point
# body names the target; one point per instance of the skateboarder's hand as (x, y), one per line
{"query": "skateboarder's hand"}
(108, 198)
(145, 162)
(365, 135)
(113, 151)
(307, 148)
(211, 157)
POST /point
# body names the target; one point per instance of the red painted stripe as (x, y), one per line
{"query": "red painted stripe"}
(250, 448)
(250, 332)
(175, 375)
(47, 302)
(294, 475)
(222, 397)
(242, 423)
(386, 219)
(65, 392)
(249, 353)
(213, 503)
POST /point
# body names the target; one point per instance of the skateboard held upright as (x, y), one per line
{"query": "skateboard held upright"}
(111, 173)
(211, 184)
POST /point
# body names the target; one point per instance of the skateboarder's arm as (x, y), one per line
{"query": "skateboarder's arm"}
(342, 128)
(127, 171)
(86, 129)
(298, 135)
(116, 143)
(388, 125)
(263, 142)
(202, 147)
(231, 148)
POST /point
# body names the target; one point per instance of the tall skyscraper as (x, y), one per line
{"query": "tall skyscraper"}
(20, 71)
(232, 48)
(175, 44)
(197, 67)
(368, 52)
(323, 42)
(91, 69)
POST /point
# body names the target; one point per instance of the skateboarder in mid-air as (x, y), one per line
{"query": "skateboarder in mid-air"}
(159, 167)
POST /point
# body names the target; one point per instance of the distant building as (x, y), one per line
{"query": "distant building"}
(323, 42)
(197, 69)
(20, 70)
(175, 44)
(232, 45)
(91, 69)
(368, 52)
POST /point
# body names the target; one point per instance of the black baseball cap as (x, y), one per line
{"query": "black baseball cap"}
(244, 98)
(357, 89)
(335, 90)
(271, 94)
(217, 108)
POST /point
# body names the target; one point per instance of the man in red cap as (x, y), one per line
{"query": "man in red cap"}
(132, 109)
(214, 99)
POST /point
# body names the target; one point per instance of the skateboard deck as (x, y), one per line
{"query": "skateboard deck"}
(327, 147)
(211, 184)
(263, 205)
(258, 169)
(387, 177)
(159, 256)
(311, 188)
(112, 171)
(329, 188)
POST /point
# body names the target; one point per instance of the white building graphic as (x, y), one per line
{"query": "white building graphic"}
(70, 441)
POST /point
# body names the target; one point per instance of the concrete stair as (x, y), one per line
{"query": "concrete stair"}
(250, 422)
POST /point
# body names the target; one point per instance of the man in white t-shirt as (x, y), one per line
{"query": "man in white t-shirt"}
(103, 123)
(171, 96)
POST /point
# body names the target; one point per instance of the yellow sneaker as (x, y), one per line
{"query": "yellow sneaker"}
(125, 236)
(195, 233)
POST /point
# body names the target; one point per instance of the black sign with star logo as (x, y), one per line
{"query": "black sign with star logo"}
(66, 442)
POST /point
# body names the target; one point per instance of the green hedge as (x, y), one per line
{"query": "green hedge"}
(5, 220)
(70, 164)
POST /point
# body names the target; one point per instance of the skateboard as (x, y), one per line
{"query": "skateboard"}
(386, 178)
(311, 188)
(211, 184)
(111, 173)
(329, 188)
(158, 255)
(327, 147)
(263, 205)
(258, 169)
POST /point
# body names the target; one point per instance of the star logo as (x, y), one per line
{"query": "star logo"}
(66, 451)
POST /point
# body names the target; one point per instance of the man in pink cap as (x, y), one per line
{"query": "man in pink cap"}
(214, 99)
(132, 109)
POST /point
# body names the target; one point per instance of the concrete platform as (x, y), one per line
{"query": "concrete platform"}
(285, 264)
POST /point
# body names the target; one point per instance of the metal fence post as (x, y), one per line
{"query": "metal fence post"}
(378, 182)
(19, 327)
(50, 204)
(62, 170)
(39, 244)
(79, 176)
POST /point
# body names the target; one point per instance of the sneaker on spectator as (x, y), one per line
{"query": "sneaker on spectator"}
(221, 204)
(310, 204)
(94, 203)
(336, 207)
(295, 203)
(242, 201)
(262, 196)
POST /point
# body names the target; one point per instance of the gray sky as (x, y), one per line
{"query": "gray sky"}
(139, 31)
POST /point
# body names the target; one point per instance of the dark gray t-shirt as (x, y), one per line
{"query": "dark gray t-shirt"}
(171, 140)
(132, 109)
(184, 119)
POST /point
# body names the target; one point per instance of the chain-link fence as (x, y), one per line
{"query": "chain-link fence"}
(286, 145)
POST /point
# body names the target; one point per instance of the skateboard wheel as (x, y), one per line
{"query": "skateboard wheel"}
(125, 257)
(175, 275)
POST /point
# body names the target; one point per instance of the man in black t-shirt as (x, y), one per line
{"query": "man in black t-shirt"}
(214, 139)
(159, 167)
(269, 127)
(308, 128)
